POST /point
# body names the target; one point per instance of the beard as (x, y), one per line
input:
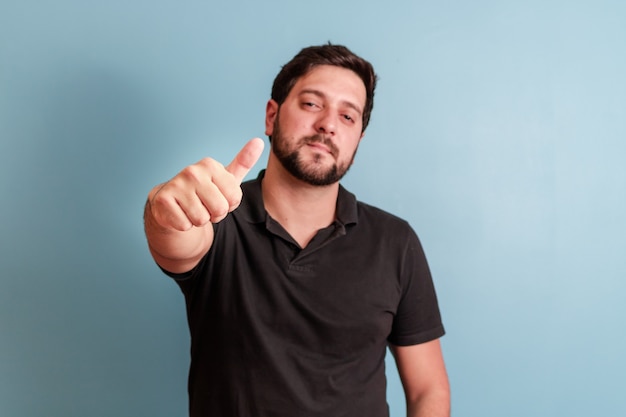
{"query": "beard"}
(312, 173)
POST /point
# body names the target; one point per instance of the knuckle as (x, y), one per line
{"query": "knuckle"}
(219, 210)
(234, 196)
(160, 205)
(180, 224)
(199, 217)
(211, 165)
(219, 213)
(191, 173)
(169, 219)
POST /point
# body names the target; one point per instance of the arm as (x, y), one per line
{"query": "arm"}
(424, 379)
(179, 214)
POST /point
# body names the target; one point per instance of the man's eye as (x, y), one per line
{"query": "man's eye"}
(348, 117)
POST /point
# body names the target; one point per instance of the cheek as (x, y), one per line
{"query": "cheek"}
(302, 124)
(299, 123)
(353, 144)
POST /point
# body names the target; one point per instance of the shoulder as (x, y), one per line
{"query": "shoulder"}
(385, 231)
(368, 211)
(383, 221)
(350, 210)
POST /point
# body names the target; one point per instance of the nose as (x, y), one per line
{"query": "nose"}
(326, 123)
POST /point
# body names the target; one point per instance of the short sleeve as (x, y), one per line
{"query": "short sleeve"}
(417, 318)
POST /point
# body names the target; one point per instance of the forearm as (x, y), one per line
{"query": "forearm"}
(424, 379)
(432, 404)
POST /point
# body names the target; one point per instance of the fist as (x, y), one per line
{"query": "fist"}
(203, 192)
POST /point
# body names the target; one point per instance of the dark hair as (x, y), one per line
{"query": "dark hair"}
(336, 55)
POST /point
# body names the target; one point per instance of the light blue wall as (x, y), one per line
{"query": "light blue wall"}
(499, 132)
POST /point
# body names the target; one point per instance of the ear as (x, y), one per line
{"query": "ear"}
(271, 113)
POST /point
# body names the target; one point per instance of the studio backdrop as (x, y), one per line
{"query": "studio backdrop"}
(498, 132)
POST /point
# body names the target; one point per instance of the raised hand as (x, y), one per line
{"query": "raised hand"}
(203, 192)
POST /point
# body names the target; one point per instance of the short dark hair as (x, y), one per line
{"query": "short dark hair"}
(328, 54)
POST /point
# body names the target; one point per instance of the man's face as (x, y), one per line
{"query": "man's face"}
(316, 131)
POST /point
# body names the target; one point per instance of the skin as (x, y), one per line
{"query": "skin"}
(334, 121)
(328, 101)
(424, 379)
(319, 127)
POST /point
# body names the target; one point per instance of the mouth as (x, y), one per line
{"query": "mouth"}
(321, 144)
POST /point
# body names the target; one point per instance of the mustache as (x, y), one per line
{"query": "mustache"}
(324, 140)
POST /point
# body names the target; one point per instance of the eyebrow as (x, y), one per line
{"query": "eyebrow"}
(320, 94)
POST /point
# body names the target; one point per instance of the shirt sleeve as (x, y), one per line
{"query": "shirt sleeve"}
(417, 318)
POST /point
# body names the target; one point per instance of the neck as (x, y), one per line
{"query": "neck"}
(301, 209)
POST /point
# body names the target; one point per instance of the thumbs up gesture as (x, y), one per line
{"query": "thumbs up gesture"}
(203, 192)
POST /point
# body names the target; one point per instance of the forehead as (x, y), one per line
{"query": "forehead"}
(334, 82)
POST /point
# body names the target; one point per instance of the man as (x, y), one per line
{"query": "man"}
(293, 288)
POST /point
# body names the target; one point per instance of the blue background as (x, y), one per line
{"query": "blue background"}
(499, 132)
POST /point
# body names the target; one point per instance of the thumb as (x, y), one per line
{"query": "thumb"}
(246, 158)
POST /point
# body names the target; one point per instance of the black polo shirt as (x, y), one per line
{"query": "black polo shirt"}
(277, 330)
